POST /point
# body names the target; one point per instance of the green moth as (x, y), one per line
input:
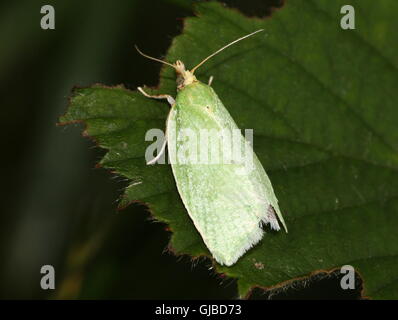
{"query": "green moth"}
(227, 202)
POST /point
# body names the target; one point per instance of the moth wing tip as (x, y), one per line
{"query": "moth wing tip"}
(285, 228)
(254, 237)
(272, 218)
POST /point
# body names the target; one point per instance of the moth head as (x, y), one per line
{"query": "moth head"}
(184, 77)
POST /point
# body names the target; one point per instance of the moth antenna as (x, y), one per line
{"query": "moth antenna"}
(226, 46)
(152, 58)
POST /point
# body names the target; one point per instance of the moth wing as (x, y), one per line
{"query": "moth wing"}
(228, 203)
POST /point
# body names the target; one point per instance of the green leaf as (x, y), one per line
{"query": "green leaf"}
(322, 102)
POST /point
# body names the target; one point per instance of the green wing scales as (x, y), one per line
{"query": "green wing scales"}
(228, 203)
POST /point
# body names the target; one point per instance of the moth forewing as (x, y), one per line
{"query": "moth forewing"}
(228, 203)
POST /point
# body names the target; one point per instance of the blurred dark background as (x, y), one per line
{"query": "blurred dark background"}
(56, 208)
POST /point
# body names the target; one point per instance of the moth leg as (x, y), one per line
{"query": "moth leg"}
(159, 154)
(169, 98)
(172, 102)
(210, 80)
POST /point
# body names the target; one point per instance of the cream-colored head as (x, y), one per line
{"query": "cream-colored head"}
(186, 77)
